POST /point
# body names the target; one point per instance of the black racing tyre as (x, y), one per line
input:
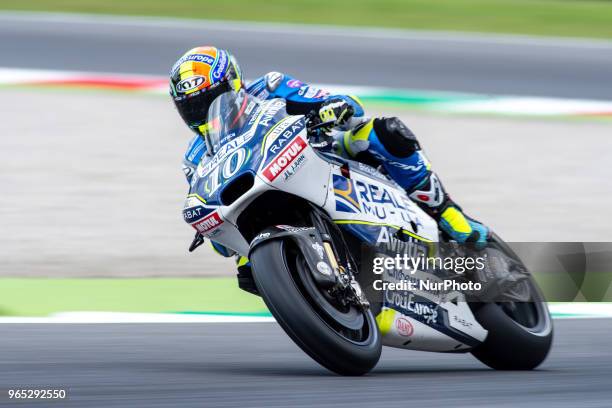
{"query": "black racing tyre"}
(346, 342)
(520, 333)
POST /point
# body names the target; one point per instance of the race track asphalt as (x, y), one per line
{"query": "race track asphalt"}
(419, 60)
(256, 365)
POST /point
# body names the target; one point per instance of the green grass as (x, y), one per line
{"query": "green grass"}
(582, 18)
(40, 297)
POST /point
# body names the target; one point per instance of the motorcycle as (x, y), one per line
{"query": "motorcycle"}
(303, 216)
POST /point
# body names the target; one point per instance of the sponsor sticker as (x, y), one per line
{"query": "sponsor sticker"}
(290, 228)
(324, 268)
(221, 66)
(193, 214)
(294, 83)
(321, 94)
(345, 194)
(319, 248)
(227, 149)
(462, 321)
(194, 209)
(284, 159)
(270, 110)
(282, 127)
(404, 327)
(405, 302)
(208, 223)
(309, 92)
(263, 235)
(190, 83)
(207, 59)
(280, 136)
(297, 164)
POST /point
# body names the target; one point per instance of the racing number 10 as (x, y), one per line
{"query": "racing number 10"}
(226, 170)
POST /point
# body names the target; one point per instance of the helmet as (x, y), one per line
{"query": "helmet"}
(198, 78)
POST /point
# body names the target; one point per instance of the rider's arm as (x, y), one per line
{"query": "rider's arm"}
(301, 98)
(193, 155)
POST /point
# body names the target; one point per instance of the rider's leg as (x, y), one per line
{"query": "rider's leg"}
(245, 275)
(391, 143)
(431, 196)
(243, 265)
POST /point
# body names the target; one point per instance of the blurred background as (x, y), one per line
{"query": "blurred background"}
(511, 100)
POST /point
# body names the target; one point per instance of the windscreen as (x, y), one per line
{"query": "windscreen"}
(226, 117)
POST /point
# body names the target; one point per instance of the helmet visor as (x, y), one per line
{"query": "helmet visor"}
(193, 108)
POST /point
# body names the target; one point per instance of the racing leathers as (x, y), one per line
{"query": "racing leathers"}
(385, 142)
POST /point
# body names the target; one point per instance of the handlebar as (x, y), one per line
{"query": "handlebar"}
(313, 122)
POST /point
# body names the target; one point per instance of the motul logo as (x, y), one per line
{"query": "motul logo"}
(210, 222)
(284, 159)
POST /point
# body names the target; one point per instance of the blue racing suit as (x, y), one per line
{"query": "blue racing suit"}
(406, 169)
(379, 141)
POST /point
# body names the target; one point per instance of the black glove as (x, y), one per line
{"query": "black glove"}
(337, 111)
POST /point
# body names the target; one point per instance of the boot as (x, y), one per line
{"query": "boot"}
(433, 199)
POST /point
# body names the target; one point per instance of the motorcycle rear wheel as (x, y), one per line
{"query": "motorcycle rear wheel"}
(520, 333)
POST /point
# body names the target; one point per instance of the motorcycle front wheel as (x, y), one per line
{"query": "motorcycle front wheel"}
(344, 339)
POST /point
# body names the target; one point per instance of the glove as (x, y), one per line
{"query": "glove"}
(337, 111)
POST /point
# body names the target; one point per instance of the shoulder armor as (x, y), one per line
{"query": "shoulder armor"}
(273, 80)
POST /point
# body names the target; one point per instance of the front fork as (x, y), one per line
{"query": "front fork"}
(326, 253)
(341, 261)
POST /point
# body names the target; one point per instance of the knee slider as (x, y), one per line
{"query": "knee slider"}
(395, 137)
